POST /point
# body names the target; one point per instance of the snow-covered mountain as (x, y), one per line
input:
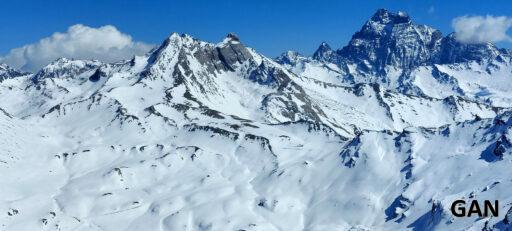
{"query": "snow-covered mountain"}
(414, 59)
(7, 72)
(382, 134)
(392, 39)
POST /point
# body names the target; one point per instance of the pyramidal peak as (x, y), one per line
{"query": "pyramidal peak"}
(323, 53)
(387, 38)
(169, 48)
(176, 38)
(393, 39)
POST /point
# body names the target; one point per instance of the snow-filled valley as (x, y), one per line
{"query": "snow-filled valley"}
(383, 134)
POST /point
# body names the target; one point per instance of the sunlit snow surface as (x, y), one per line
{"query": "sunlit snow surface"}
(200, 136)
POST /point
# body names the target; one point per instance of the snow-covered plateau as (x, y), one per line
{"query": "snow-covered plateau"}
(382, 134)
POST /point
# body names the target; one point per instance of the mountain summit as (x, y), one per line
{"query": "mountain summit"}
(323, 53)
(393, 39)
(385, 17)
(392, 51)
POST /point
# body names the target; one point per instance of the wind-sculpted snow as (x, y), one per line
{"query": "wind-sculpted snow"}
(381, 135)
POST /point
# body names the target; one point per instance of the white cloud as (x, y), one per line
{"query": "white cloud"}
(478, 29)
(105, 43)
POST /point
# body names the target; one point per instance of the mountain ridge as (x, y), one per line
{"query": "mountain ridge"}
(382, 34)
(216, 136)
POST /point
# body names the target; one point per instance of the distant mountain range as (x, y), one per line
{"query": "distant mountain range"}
(382, 134)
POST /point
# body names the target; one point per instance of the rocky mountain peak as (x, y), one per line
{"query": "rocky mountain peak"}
(7, 72)
(230, 39)
(233, 37)
(391, 39)
(176, 39)
(383, 16)
(178, 51)
(323, 53)
(162, 56)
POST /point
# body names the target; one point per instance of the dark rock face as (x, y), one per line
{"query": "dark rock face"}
(232, 53)
(453, 51)
(502, 145)
(7, 72)
(223, 57)
(229, 56)
(323, 53)
(96, 76)
(504, 224)
(393, 39)
(505, 52)
(263, 75)
(233, 37)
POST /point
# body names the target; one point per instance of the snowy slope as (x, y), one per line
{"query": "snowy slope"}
(204, 136)
(461, 159)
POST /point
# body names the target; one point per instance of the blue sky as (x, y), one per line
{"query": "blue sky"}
(269, 26)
